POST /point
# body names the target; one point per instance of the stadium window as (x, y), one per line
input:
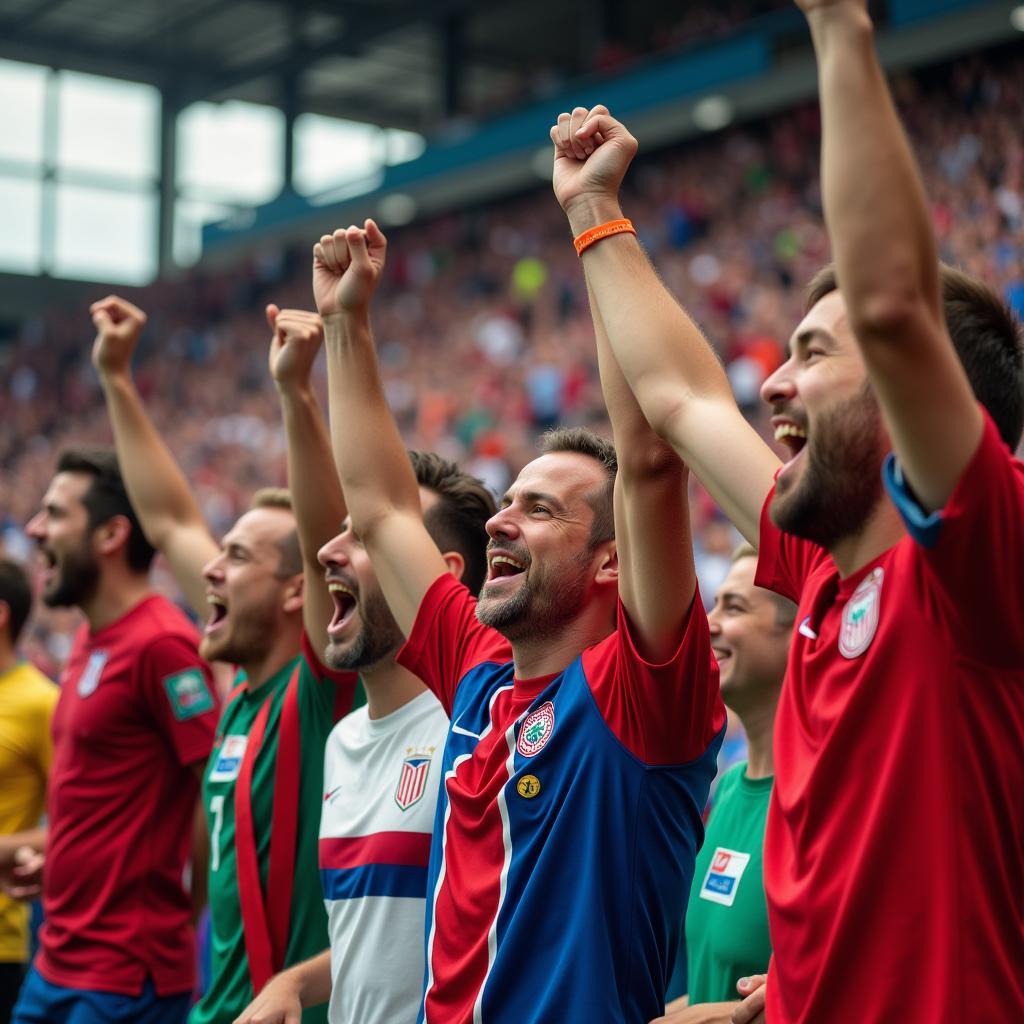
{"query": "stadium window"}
(105, 235)
(21, 216)
(189, 217)
(22, 110)
(230, 152)
(330, 152)
(401, 147)
(107, 128)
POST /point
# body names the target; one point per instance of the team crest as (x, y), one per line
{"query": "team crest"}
(860, 616)
(90, 677)
(722, 879)
(412, 782)
(536, 730)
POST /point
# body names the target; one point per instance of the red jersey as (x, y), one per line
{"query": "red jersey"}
(894, 851)
(136, 711)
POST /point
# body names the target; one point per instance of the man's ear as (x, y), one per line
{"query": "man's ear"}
(456, 563)
(293, 593)
(110, 536)
(608, 564)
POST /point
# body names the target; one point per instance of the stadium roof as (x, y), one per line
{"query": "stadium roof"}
(399, 63)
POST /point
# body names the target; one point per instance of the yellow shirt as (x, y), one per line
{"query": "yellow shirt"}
(27, 700)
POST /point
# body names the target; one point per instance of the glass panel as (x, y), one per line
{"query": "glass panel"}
(22, 108)
(330, 152)
(20, 214)
(108, 126)
(106, 236)
(403, 146)
(189, 217)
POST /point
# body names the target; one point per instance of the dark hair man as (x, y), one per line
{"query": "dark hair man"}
(27, 700)
(908, 645)
(132, 729)
(727, 918)
(382, 765)
(580, 685)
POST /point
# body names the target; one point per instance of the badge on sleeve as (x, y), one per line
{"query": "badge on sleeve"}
(90, 677)
(860, 616)
(188, 693)
(722, 880)
(229, 759)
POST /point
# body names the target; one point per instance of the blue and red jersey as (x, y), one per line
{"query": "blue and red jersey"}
(568, 819)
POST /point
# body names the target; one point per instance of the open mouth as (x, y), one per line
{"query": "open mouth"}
(721, 653)
(345, 603)
(48, 565)
(793, 436)
(502, 567)
(218, 613)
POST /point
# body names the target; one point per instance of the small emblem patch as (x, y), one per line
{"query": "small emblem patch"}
(229, 759)
(536, 730)
(90, 677)
(860, 616)
(188, 693)
(528, 786)
(412, 781)
(722, 880)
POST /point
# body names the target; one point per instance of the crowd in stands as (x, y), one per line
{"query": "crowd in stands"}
(484, 335)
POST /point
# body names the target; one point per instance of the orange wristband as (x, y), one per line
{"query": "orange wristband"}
(592, 235)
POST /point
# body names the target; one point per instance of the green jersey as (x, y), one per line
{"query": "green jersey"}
(320, 699)
(727, 917)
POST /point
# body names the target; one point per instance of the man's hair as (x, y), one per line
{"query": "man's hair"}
(289, 549)
(785, 610)
(16, 593)
(457, 521)
(107, 497)
(987, 338)
(585, 442)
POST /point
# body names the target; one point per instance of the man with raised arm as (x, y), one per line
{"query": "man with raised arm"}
(262, 789)
(892, 851)
(580, 686)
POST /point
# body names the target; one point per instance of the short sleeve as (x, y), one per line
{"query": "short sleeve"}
(783, 561)
(447, 640)
(973, 549)
(663, 714)
(339, 686)
(179, 691)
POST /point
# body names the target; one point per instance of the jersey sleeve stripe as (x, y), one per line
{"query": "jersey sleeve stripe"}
(410, 849)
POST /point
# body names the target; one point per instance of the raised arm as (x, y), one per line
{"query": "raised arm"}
(316, 492)
(652, 523)
(376, 475)
(675, 375)
(887, 262)
(159, 493)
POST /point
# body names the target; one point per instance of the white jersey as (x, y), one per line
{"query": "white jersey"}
(381, 778)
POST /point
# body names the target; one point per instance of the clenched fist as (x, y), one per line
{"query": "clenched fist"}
(118, 325)
(347, 267)
(298, 335)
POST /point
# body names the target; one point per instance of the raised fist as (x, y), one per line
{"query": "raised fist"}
(294, 344)
(346, 268)
(592, 154)
(118, 325)
(815, 6)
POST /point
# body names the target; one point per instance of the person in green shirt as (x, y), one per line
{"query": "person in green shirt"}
(263, 593)
(727, 917)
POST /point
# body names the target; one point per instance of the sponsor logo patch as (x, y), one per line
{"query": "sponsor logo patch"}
(188, 693)
(860, 616)
(412, 780)
(722, 880)
(229, 759)
(536, 730)
(528, 786)
(90, 677)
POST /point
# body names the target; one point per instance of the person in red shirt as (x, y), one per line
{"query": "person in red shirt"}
(132, 730)
(893, 869)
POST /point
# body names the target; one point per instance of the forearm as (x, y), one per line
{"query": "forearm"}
(317, 498)
(701, 1013)
(311, 979)
(875, 207)
(373, 464)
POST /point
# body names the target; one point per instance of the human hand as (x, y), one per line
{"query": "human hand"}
(821, 7)
(347, 267)
(23, 879)
(592, 153)
(294, 344)
(118, 325)
(753, 991)
(278, 1003)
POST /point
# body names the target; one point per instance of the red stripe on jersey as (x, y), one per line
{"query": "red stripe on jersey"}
(409, 848)
(468, 897)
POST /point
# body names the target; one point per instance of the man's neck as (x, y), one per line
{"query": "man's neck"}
(883, 530)
(759, 724)
(116, 595)
(389, 687)
(549, 655)
(259, 671)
